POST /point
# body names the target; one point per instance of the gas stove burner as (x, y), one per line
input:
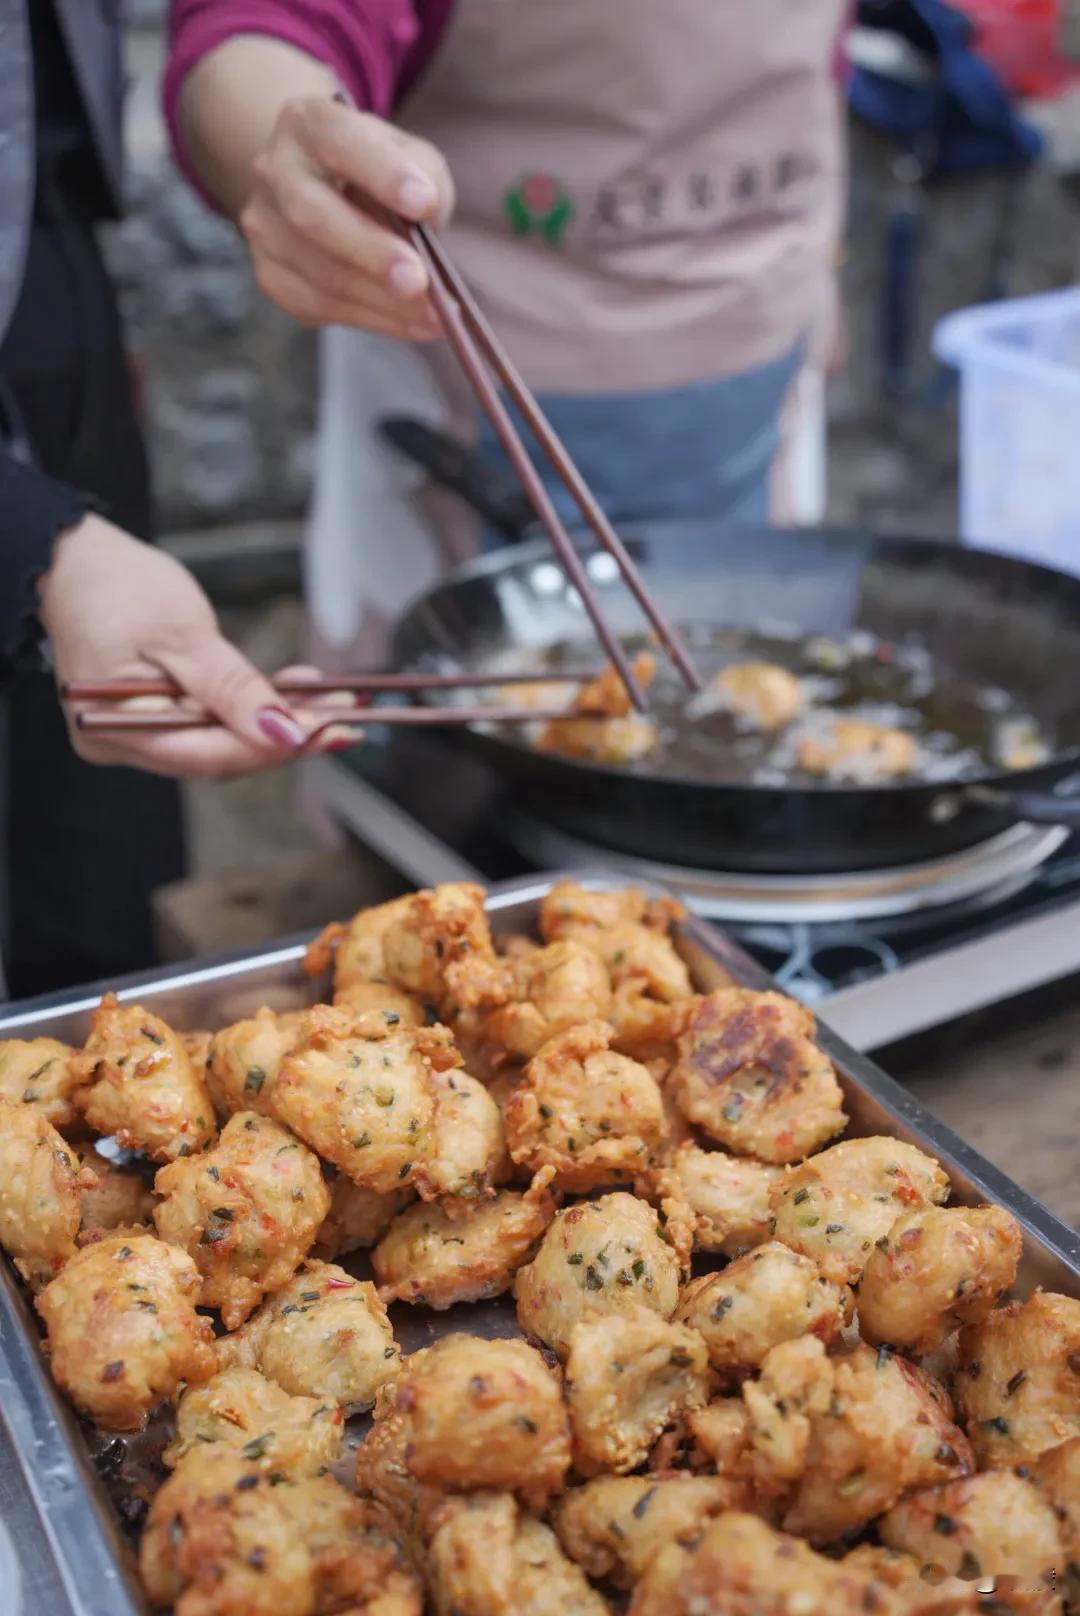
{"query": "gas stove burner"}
(987, 872)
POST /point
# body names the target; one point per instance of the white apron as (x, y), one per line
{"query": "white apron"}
(649, 197)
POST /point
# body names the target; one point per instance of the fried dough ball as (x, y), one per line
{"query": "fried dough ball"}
(244, 1060)
(469, 1145)
(857, 750)
(720, 1434)
(897, 1582)
(634, 951)
(601, 723)
(750, 1075)
(359, 1568)
(626, 1379)
(487, 1559)
(601, 1257)
(1018, 1384)
(360, 1092)
(324, 1335)
(1057, 1475)
(646, 1028)
(137, 1082)
(356, 949)
(122, 1328)
(383, 1476)
(40, 1184)
(555, 987)
(39, 1072)
(364, 996)
(439, 947)
(433, 1260)
(614, 1525)
(769, 1296)
(358, 1218)
(839, 1203)
(993, 1525)
(116, 1199)
(590, 1114)
(937, 1269)
(241, 1410)
(247, 1211)
(197, 1043)
(729, 1196)
(484, 1414)
(852, 1434)
(764, 694)
(568, 909)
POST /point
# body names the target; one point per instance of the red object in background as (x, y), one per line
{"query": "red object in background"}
(1019, 38)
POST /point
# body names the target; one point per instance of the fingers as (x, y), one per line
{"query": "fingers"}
(406, 175)
(216, 676)
(303, 295)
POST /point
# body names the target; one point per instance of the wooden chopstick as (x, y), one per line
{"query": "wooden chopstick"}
(117, 721)
(431, 250)
(327, 685)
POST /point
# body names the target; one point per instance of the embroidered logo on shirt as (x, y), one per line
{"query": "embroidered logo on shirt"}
(539, 205)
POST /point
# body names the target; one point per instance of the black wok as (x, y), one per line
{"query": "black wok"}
(993, 620)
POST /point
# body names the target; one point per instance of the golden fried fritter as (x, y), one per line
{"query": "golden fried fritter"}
(360, 1092)
(857, 750)
(590, 1114)
(355, 950)
(469, 1146)
(117, 1198)
(750, 1075)
(487, 1559)
(768, 1296)
(634, 951)
(936, 1269)
(555, 987)
(244, 1060)
(247, 1211)
(324, 1335)
(436, 1261)
(1018, 1384)
(615, 1525)
(602, 1257)
(601, 723)
(1057, 1475)
(122, 1328)
(720, 1434)
(38, 1072)
(763, 694)
(40, 1186)
(898, 1584)
(197, 1043)
(241, 1410)
(568, 909)
(482, 1413)
(383, 1476)
(439, 947)
(363, 997)
(993, 1525)
(627, 1377)
(839, 1203)
(359, 1567)
(137, 1082)
(729, 1196)
(358, 1218)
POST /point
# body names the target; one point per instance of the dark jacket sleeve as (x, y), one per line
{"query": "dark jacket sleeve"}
(33, 510)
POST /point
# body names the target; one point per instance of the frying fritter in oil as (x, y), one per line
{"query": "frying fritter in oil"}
(439, 947)
(763, 694)
(244, 1060)
(38, 1072)
(601, 724)
(626, 1379)
(428, 1258)
(555, 987)
(993, 1525)
(122, 1328)
(469, 1145)
(937, 1269)
(241, 1410)
(590, 1114)
(360, 1091)
(1018, 1383)
(768, 1296)
(855, 749)
(357, 1218)
(137, 1082)
(247, 1211)
(842, 1439)
(750, 1075)
(487, 1559)
(117, 1198)
(355, 950)
(729, 1196)
(615, 1525)
(40, 1186)
(1057, 1475)
(602, 1257)
(482, 1413)
(839, 1203)
(324, 1335)
(224, 1537)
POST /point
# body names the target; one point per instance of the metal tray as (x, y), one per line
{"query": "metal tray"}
(61, 1547)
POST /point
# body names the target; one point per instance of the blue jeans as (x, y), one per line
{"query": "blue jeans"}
(703, 451)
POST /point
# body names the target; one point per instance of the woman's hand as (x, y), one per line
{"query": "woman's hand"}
(115, 608)
(318, 218)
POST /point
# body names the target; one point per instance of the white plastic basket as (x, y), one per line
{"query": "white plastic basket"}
(1019, 364)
